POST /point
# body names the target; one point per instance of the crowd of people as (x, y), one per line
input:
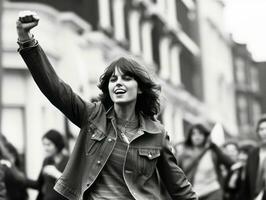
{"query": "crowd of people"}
(232, 171)
(227, 172)
(122, 150)
(13, 179)
(201, 160)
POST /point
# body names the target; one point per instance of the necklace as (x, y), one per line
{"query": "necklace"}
(127, 129)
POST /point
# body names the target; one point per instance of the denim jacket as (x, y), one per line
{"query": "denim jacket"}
(150, 170)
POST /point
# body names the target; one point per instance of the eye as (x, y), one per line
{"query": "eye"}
(113, 78)
(127, 77)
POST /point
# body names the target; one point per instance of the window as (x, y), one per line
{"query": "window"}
(256, 112)
(242, 111)
(240, 71)
(254, 79)
(186, 17)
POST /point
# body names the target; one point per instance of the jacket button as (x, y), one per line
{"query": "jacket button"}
(109, 140)
(98, 162)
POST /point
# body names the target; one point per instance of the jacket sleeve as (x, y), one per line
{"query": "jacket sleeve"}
(39, 182)
(172, 175)
(57, 91)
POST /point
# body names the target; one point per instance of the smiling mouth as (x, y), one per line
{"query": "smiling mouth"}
(119, 91)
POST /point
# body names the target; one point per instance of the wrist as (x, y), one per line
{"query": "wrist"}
(27, 43)
(24, 36)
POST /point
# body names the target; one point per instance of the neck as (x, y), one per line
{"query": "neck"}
(126, 112)
(198, 148)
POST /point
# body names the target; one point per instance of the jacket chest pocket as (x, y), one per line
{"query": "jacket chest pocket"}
(95, 141)
(147, 159)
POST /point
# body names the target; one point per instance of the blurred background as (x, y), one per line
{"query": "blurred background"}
(207, 54)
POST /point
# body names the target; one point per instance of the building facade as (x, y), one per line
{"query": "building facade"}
(216, 64)
(247, 88)
(262, 72)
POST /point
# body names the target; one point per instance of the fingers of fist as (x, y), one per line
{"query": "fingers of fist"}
(28, 17)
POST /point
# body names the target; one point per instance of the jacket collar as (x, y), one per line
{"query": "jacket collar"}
(146, 124)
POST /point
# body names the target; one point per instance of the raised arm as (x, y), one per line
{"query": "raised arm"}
(59, 93)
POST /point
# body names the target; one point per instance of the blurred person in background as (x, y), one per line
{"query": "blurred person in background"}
(201, 161)
(255, 182)
(14, 177)
(4, 162)
(178, 148)
(231, 148)
(235, 176)
(54, 163)
(52, 167)
(122, 151)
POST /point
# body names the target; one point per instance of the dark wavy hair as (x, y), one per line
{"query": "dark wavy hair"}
(148, 101)
(56, 138)
(202, 129)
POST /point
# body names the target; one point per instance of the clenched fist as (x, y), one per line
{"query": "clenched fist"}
(26, 21)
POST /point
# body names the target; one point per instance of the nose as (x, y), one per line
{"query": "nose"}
(119, 82)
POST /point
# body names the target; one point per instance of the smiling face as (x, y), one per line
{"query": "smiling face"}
(123, 88)
(49, 147)
(197, 137)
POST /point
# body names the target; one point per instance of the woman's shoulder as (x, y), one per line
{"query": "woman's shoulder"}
(94, 107)
(93, 111)
(151, 125)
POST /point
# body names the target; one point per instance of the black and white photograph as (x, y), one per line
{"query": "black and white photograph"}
(132, 100)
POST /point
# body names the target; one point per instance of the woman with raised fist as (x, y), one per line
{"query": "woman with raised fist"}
(122, 151)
